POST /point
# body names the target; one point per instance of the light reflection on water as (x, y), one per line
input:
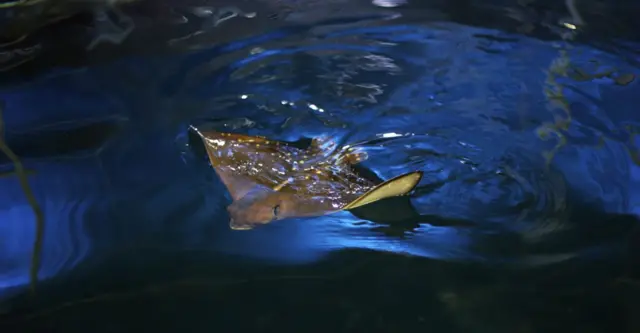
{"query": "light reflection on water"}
(462, 108)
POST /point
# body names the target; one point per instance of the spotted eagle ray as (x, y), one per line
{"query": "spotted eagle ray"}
(272, 180)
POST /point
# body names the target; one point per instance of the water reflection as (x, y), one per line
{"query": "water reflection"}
(521, 161)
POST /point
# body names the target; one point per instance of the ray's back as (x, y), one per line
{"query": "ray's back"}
(275, 164)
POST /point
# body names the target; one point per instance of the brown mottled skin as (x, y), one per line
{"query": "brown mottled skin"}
(270, 180)
(263, 205)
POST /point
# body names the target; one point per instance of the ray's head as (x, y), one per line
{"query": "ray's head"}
(260, 206)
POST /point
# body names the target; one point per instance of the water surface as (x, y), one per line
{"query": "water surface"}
(528, 204)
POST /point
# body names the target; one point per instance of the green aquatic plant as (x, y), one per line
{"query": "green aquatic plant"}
(22, 175)
(554, 91)
(560, 68)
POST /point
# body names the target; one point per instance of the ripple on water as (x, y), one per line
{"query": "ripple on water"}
(434, 97)
(466, 109)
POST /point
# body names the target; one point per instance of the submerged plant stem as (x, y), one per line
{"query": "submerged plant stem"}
(22, 174)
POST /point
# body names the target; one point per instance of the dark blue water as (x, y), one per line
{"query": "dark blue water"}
(525, 220)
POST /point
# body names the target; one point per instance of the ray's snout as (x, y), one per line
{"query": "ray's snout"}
(236, 221)
(238, 226)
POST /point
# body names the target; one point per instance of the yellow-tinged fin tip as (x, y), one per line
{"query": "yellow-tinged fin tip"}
(397, 186)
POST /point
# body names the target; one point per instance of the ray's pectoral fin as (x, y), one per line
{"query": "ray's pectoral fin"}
(400, 185)
(238, 186)
(222, 154)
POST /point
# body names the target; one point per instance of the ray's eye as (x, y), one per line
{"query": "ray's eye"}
(276, 210)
